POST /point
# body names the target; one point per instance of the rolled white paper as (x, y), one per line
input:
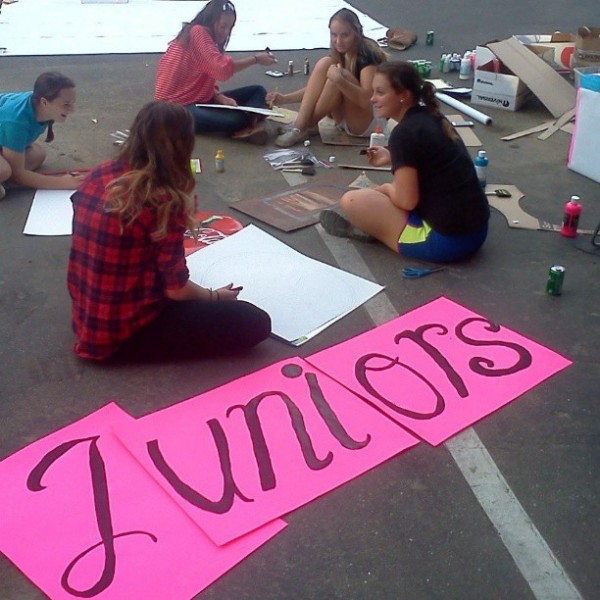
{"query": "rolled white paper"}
(458, 105)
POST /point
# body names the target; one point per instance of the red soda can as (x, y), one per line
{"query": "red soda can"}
(571, 217)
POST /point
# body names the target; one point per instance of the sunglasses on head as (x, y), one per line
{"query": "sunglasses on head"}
(228, 7)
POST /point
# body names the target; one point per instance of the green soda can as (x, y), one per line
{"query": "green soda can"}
(429, 38)
(556, 277)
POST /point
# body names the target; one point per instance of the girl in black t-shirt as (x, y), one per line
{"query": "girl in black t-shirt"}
(434, 209)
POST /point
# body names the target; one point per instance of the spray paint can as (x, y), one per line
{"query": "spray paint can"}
(219, 161)
(306, 67)
(429, 37)
(481, 163)
(571, 217)
(290, 68)
(556, 277)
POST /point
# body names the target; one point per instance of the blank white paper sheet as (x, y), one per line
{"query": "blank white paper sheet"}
(51, 213)
(302, 295)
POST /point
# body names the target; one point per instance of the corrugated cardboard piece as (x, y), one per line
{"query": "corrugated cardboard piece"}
(556, 48)
(557, 94)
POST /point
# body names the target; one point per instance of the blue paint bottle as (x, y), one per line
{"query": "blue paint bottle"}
(481, 163)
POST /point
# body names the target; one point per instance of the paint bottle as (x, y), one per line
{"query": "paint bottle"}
(306, 67)
(465, 66)
(571, 217)
(290, 68)
(442, 62)
(455, 62)
(377, 138)
(446, 66)
(481, 164)
(219, 161)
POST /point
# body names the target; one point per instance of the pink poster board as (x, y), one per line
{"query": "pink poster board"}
(241, 455)
(439, 368)
(80, 518)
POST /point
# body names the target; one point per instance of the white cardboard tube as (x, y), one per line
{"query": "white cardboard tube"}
(471, 112)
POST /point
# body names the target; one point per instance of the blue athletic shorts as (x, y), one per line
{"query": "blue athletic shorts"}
(419, 240)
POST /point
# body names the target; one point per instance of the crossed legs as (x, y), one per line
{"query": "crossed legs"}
(373, 212)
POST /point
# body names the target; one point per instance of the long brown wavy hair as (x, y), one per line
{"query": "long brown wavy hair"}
(365, 48)
(157, 152)
(208, 17)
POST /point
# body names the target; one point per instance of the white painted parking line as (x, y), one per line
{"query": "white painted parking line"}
(532, 555)
(536, 561)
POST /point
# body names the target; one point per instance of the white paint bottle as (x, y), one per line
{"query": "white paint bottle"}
(377, 138)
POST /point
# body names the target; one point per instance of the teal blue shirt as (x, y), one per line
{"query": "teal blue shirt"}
(18, 126)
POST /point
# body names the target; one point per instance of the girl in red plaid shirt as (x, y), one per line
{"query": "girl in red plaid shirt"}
(127, 277)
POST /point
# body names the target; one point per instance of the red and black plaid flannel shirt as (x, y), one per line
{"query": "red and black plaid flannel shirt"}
(117, 280)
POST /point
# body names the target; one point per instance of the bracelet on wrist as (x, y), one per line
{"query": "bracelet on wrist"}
(255, 59)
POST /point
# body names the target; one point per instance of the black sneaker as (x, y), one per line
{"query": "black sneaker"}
(336, 224)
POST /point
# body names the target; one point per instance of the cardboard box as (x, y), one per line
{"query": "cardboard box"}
(492, 87)
(587, 47)
(552, 89)
(554, 48)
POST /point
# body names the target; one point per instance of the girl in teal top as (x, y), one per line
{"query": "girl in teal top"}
(24, 116)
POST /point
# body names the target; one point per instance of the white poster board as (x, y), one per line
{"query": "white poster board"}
(51, 213)
(302, 295)
(584, 141)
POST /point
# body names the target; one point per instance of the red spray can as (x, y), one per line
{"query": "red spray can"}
(571, 217)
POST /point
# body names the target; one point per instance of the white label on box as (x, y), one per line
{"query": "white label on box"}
(498, 101)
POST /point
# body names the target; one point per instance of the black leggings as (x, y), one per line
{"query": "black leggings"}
(196, 328)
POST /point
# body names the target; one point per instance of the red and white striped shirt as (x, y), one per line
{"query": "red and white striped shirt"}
(186, 75)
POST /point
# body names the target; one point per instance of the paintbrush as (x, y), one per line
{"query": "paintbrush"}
(304, 170)
(501, 193)
(303, 162)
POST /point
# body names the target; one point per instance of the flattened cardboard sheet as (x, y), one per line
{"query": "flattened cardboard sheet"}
(294, 208)
(467, 134)
(555, 92)
(515, 216)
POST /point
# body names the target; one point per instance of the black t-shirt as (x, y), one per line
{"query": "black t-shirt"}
(450, 197)
(365, 58)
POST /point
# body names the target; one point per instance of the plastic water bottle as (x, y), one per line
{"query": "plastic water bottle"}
(571, 217)
(481, 163)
